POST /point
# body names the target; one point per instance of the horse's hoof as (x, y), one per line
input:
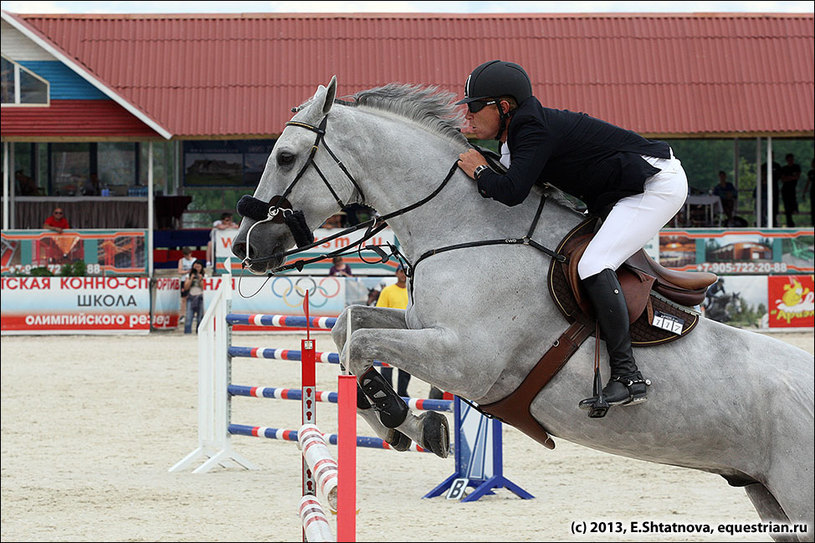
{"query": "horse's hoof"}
(436, 433)
(399, 441)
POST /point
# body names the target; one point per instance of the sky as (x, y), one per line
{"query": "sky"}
(397, 6)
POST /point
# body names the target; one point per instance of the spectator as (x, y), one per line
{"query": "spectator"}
(789, 174)
(25, 185)
(373, 295)
(725, 190)
(340, 268)
(194, 284)
(92, 187)
(224, 223)
(184, 266)
(56, 222)
(776, 167)
(395, 296)
(337, 220)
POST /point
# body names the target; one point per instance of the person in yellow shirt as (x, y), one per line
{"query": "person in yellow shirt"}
(395, 296)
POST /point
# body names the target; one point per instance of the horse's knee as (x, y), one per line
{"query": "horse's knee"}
(338, 331)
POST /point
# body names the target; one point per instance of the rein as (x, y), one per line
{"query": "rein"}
(254, 209)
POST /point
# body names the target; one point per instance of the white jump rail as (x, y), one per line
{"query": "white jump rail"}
(213, 371)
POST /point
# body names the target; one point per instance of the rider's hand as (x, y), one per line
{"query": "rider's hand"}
(470, 160)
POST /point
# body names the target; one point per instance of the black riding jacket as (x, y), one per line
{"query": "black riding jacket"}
(588, 158)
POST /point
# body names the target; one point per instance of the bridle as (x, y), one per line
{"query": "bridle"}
(320, 131)
(278, 209)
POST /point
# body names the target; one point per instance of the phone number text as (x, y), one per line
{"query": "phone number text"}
(743, 267)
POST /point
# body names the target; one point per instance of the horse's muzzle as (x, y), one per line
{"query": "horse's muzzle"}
(258, 255)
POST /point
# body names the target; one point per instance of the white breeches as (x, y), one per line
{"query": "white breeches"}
(635, 220)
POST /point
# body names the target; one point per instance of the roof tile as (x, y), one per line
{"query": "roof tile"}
(667, 75)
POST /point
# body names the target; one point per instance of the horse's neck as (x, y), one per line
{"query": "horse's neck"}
(458, 214)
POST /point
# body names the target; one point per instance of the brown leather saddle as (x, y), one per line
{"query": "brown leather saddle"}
(658, 299)
(658, 302)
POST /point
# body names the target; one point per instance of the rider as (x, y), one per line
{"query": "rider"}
(713, 292)
(635, 184)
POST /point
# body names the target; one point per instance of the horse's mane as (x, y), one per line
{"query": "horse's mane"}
(427, 106)
(561, 198)
(435, 110)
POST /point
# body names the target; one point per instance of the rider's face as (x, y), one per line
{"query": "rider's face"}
(485, 122)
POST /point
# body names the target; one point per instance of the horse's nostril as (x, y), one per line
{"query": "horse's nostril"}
(239, 249)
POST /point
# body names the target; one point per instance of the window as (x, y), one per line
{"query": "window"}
(19, 86)
(116, 164)
(237, 163)
(70, 167)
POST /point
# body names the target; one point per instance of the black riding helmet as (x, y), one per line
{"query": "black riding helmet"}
(494, 79)
(497, 78)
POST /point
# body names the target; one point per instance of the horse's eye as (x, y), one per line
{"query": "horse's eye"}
(285, 159)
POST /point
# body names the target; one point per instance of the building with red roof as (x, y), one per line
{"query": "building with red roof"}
(203, 97)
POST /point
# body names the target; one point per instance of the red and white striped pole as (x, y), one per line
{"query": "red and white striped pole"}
(309, 390)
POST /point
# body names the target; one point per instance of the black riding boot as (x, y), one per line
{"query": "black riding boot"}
(626, 385)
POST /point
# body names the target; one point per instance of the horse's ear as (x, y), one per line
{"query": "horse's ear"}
(330, 94)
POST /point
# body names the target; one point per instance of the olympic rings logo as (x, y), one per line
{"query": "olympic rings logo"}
(292, 293)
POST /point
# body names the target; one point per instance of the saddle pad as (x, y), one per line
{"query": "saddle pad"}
(660, 322)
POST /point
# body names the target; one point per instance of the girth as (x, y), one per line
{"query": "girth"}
(515, 408)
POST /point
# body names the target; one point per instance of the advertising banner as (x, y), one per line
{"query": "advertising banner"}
(166, 302)
(66, 305)
(791, 301)
(365, 262)
(738, 252)
(104, 252)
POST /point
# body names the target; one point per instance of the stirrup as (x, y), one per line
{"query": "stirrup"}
(597, 406)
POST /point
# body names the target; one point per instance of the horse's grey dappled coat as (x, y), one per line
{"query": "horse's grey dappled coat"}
(723, 400)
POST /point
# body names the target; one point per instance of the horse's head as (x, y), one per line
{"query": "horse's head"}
(293, 197)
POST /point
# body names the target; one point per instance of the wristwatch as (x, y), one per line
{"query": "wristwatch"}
(479, 170)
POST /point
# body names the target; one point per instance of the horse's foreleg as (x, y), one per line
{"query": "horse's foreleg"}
(416, 351)
(365, 317)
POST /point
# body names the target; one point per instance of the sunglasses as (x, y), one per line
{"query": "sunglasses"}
(57, 212)
(478, 105)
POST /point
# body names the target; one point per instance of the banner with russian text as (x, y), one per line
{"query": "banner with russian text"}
(67, 305)
(364, 262)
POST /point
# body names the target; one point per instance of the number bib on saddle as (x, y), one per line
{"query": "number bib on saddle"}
(668, 322)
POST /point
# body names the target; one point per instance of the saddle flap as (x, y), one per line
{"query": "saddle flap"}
(637, 290)
(574, 251)
(686, 288)
(636, 284)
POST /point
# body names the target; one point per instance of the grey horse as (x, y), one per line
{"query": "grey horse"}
(722, 400)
